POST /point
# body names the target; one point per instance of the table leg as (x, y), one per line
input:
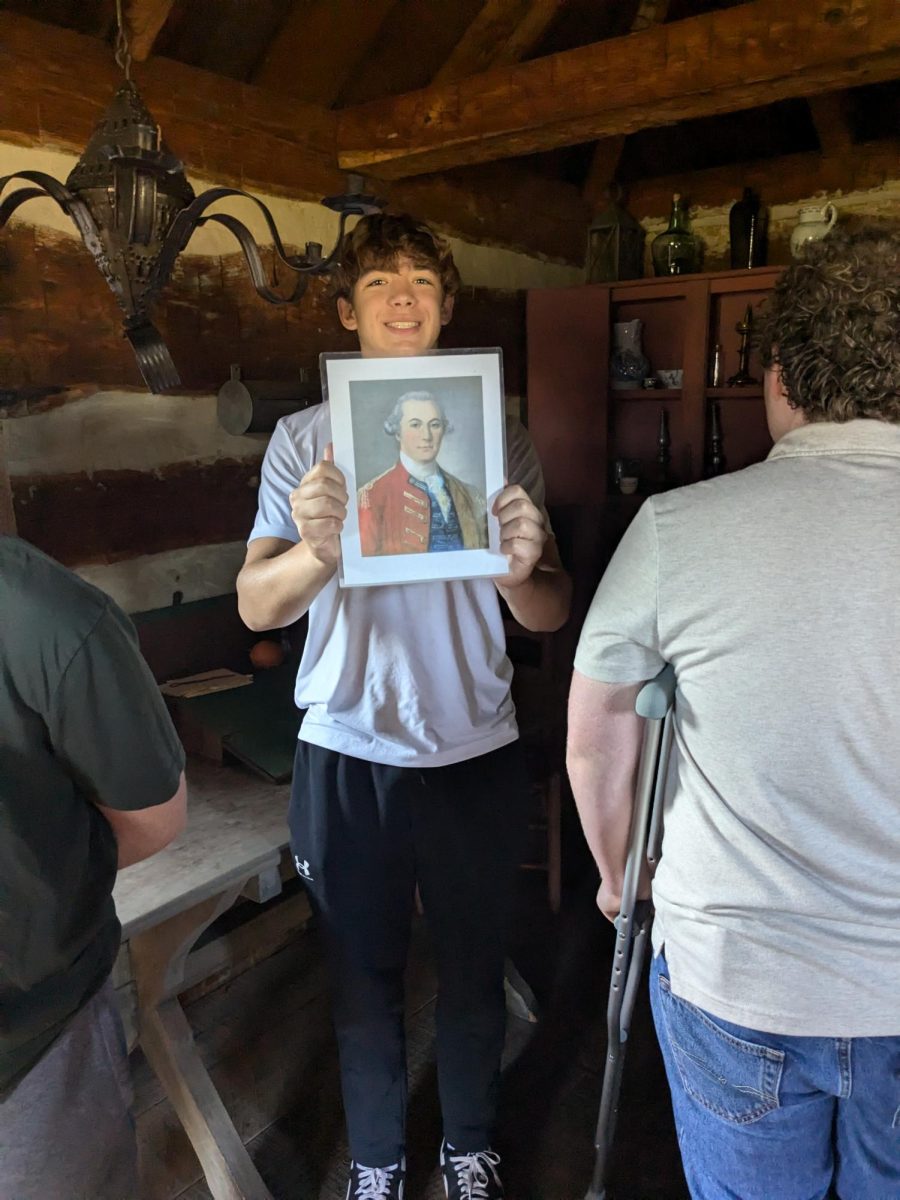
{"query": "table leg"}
(158, 956)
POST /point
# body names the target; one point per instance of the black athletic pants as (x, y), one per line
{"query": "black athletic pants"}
(363, 835)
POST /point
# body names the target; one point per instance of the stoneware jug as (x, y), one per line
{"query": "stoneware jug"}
(813, 224)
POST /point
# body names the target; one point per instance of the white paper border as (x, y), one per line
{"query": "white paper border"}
(338, 372)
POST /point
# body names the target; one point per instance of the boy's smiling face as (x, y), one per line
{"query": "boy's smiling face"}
(397, 311)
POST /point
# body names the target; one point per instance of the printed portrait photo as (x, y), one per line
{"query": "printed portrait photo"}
(421, 443)
(419, 447)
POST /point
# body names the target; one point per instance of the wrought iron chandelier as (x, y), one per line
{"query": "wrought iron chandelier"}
(135, 211)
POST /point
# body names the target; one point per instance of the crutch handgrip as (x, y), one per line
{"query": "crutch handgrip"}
(656, 697)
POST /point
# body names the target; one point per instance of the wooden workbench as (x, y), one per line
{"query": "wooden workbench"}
(235, 843)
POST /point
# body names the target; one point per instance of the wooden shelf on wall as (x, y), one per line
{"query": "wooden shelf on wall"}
(735, 393)
(581, 424)
(645, 393)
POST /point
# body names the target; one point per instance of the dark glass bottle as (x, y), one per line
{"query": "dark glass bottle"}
(677, 251)
(746, 232)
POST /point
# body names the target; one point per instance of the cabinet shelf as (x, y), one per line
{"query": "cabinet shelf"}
(645, 393)
(581, 425)
(735, 393)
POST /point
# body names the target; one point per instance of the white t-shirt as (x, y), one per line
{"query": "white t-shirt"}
(412, 675)
(775, 593)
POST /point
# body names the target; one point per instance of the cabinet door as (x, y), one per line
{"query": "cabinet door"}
(568, 348)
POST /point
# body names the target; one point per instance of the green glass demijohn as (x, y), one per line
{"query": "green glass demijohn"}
(677, 250)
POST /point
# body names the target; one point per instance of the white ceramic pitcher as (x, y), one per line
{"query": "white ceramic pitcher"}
(813, 223)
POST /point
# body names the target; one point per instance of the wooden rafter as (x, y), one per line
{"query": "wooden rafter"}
(831, 119)
(778, 180)
(608, 151)
(246, 136)
(318, 47)
(145, 19)
(722, 61)
(503, 33)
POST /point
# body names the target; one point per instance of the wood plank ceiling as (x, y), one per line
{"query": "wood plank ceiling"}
(501, 119)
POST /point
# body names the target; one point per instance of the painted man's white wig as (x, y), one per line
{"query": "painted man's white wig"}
(392, 424)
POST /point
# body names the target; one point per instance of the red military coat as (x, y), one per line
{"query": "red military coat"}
(395, 513)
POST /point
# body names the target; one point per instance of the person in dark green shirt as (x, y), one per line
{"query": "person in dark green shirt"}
(91, 780)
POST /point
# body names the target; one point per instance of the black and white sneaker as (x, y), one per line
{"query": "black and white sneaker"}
(377, 1183)
(471, 1176)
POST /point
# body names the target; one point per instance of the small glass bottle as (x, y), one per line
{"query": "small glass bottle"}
(677, 250)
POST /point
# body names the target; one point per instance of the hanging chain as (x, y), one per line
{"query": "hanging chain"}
(123, 52)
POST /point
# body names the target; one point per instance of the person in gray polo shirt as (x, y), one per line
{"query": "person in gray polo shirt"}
(775, 593)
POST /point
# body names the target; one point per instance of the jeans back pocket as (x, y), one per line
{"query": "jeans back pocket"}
(734, 1078)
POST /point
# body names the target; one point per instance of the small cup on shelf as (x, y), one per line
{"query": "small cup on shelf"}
(628, 484)
(670, 378)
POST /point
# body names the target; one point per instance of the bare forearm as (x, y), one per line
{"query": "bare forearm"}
(542, 602)
(604, 797)
(602, 755)
(273, 592)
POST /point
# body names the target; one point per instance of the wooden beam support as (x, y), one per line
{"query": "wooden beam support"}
(104, 516)
(503, 33)
(57, 84)
(319, 47)
(145, 18)
(831, 119)
(722, 61)
(778, 180)
(244, 135)
(7, 511)
(608, 151)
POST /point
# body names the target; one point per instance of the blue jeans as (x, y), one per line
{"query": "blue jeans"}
(763, 1116)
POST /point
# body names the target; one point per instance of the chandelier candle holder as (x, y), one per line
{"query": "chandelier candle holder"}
(135, 210)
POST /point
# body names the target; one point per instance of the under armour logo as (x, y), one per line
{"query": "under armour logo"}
(302, 867)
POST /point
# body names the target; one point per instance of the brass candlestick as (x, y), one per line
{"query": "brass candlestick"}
(743, 378)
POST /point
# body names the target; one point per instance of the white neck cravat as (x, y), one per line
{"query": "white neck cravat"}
(418, 470)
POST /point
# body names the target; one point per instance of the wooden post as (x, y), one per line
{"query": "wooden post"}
(7, 511)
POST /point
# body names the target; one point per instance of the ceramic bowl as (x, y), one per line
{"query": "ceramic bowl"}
(670, 379)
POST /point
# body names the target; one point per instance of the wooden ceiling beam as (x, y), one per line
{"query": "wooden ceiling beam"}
(503, 33)
(832, 120)
(145, 19)
(608, 151)
(56, 84)
(319, 46)
(778, 180)
(723, 61)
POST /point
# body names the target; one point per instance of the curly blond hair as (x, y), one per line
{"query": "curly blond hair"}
(377, 241)
(832, 325)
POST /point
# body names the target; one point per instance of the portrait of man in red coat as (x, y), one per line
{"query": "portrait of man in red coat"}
(417, 507)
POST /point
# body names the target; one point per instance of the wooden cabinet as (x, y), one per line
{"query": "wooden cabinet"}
(581, 425)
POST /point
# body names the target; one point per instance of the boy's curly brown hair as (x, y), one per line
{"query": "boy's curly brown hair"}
(377, 241)
(833, 326)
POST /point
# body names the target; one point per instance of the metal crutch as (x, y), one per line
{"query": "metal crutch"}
(655, 703)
